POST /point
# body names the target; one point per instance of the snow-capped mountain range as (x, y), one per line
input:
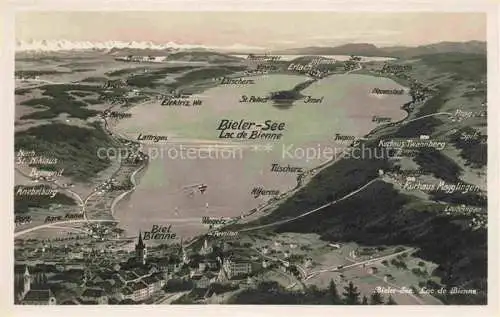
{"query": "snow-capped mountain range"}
(65, 45)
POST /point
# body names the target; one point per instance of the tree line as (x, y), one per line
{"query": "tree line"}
(351, 296)
(272, 293)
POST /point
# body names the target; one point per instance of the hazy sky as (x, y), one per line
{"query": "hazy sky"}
(262, 29)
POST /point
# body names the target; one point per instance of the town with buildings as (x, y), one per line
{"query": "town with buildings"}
(109, 275)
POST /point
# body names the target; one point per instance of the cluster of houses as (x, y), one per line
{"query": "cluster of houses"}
(112, 185)
(108, 185)
(110, 286)
(73, 255)
(479, 221)
(286, 258)
(350, 65)
(478, 218)
(418, 91)
(318, 74)
(135, 158)
(399, 71)
(138, 279)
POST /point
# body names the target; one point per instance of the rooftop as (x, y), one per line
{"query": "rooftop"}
(19, 268)
(138, 286)
(150, 280)
(129, 275)
(93, 292)
(38, 295)
(127, 291)
(140, 271)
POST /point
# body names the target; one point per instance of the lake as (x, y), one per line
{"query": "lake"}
(167, 193)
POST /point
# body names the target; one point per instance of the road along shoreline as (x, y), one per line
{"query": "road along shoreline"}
(134, 183)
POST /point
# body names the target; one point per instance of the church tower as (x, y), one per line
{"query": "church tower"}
(140, 250)
(27, 281)
(185, 257)
(206, 248)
